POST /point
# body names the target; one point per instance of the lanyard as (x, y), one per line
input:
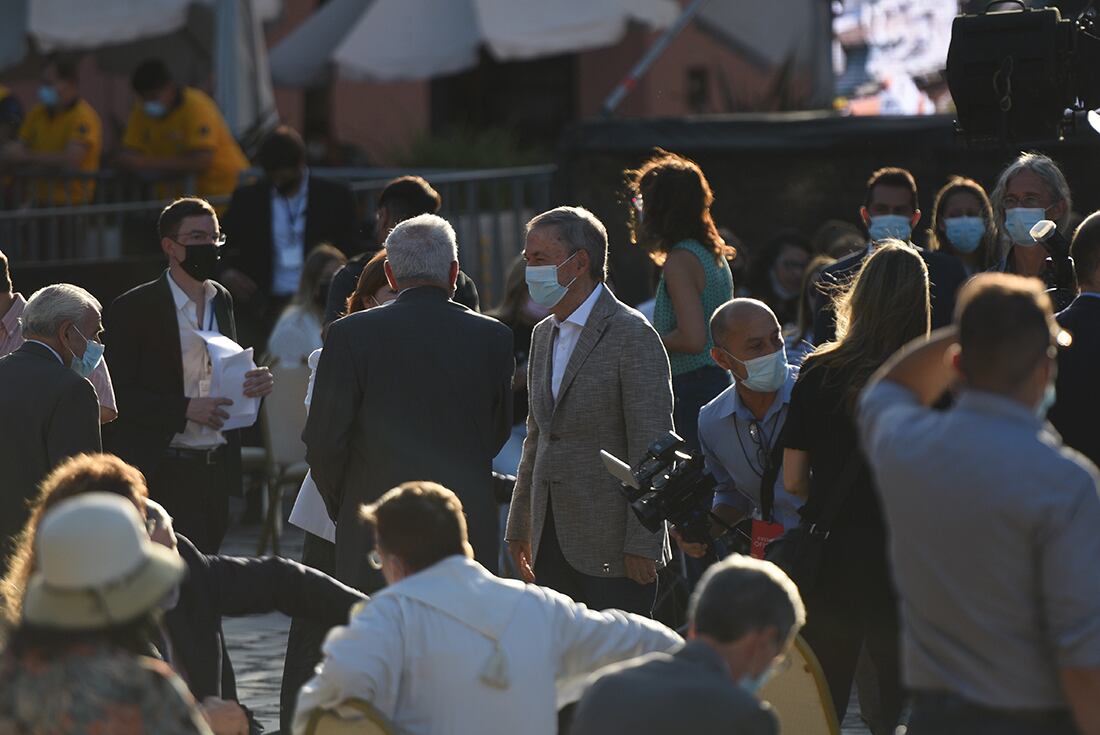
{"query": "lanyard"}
(291, 215)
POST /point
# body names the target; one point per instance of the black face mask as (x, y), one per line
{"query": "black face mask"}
(201, 262)
(288, 186)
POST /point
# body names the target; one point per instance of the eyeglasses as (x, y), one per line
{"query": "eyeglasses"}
(1029, 202)
(374, 559)
(201, 238)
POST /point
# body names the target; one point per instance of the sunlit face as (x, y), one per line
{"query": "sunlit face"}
(383, 295)
(1027, 189)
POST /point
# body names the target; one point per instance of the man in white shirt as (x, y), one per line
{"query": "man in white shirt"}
(169, 425)
(599, 379)
(449, 648)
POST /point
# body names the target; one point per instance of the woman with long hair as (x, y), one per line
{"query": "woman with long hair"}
(372, 289)
(671, 219)
(297, 333)
(962, 225)
(850, 602)
(86, 593)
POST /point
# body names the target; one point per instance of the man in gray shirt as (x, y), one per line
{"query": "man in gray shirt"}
(993, 523)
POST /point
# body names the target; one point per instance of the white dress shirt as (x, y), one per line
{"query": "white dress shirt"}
(567, 334)
(196, 362)
(454, 649)
(296, 335)
(288, 233)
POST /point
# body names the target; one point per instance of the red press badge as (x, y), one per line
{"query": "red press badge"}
(762, 534)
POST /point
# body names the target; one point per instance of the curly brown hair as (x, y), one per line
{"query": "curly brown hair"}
(676, 200)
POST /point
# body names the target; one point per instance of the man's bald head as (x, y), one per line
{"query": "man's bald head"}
(737, 315)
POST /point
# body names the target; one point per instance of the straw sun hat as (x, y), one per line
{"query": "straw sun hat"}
(96, 566)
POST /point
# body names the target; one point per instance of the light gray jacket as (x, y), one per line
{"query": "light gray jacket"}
(616, 394)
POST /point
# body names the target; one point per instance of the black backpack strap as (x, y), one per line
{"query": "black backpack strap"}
(767, 481)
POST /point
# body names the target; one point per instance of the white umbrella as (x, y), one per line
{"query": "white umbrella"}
(414, 39)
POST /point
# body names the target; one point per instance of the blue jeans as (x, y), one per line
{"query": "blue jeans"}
(692, 391)
(941, 713)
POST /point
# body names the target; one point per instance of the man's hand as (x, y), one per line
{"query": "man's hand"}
(692, 549)
(241, 286)
(225, 717)
(258, 383)
(520, 551)
(641, 570)
(207, 411)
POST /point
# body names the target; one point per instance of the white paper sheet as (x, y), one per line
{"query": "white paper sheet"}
(229, 363)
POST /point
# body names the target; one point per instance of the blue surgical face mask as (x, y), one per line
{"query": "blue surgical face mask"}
(753, 684)
(884, 226)
(965, 233)
(767, 374)
(47, 95)
(154, 108)
(542, 283)
(1018, 224)
(93, 353)
(1050, 395)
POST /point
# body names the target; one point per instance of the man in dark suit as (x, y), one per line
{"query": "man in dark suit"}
(1076, 413)
(402, 198)
(420, 389)
(169, 426)
(219, 586)
(890, 211)
(744, 615)
(273, 223)
(49, 409)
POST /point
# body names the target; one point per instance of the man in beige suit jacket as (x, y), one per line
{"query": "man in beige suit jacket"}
(598, 378)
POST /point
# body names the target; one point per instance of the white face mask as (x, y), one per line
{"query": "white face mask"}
(1018, 224)
(766, 374)
(542, 283)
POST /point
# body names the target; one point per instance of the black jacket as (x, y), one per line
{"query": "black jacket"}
(1077, 410)
(330, 217)
(419, 389)
(48, 413)
(227, 586)
(143, 345)
(945, 273)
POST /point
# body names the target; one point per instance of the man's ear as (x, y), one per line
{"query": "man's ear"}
(389, 275)
(914, 219)
(454, 274)
(865, 216)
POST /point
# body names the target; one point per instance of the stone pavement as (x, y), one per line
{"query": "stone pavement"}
(257, 643)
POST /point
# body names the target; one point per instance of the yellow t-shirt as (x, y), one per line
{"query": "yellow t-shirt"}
(46, 132)
(195, 124)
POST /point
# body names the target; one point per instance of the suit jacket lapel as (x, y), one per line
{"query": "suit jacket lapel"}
(170, 330)
(590, 337)
(221, 315)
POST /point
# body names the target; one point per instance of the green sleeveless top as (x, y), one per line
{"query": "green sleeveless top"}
(717, 291)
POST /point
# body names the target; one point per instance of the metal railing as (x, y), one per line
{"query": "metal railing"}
(488, 209)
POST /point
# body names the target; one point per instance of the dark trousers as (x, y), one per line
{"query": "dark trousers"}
(196, 496)
(692, 391)
(850, 607)
(940, 713)
(599, 593)
(303, 645)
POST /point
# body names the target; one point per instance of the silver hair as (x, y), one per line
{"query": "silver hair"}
(48, 308)
(422, 248)
(582, 230)
(1046, 169)
(740, 595)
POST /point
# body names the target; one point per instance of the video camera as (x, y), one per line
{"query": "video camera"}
(668, 484)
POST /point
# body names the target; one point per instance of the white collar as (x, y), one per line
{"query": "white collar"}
(180, 296)
(51, 349)
(580, 315)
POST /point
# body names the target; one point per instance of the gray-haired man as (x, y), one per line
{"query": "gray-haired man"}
(420, 389)
(599, 379)
(50, 410)
(743, 616)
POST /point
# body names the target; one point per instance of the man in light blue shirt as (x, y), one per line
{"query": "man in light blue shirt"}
(993, 523)
(740, 427)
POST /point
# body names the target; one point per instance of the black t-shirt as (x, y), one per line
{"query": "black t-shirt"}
(820, 423)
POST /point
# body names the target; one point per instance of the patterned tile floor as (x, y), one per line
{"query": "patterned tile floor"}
(257, 644)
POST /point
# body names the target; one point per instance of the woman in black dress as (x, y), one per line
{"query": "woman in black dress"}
(850, 603)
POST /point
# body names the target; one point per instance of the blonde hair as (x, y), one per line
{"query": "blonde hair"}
(886, 305)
